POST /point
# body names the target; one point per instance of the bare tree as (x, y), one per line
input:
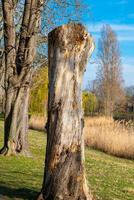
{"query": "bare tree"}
(1, 63)
(19, 57)
(20, 41)
(69, 48)
(109, 75)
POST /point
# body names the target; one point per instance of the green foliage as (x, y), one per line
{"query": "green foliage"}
(39, 92)
(108, 177)
(90, 102)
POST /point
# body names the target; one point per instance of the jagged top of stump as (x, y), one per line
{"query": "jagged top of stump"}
(70, 35)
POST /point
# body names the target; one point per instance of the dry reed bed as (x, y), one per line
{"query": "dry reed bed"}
(105, 134)
(37, 122)
(113, 137)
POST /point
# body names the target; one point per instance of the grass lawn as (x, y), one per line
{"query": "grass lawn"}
(109, 178)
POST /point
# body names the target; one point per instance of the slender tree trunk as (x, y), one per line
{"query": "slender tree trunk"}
(69, 47)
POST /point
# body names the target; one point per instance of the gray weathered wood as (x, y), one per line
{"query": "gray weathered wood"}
(69, 48)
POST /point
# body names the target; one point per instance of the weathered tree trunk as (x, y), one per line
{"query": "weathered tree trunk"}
(18, 64)
(2, 81)
(69, 47)
(16, 122)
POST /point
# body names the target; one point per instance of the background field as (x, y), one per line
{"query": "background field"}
(109, 178)
(112, 137)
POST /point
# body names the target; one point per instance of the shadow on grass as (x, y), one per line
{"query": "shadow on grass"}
(22, 193)
(1, 116)
(1, 119)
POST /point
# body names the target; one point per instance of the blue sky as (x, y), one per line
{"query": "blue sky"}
(120, 15)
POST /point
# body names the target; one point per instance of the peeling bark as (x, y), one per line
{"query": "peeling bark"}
(69, 48)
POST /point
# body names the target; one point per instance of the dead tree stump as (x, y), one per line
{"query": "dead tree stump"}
(69, 48)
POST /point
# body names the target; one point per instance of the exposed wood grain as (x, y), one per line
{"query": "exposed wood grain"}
(69, 48)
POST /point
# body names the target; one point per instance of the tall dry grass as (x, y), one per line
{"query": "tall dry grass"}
(113, 137)
(105, 134)
(37, 122)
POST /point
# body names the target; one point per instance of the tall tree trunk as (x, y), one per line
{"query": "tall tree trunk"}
(2, 92)
(16, 122)
(69, 47)
(18, 63)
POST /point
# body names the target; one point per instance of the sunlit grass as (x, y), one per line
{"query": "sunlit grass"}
(22, 177)
(109, 178)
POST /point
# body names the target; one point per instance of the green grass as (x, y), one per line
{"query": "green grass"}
(109, 178)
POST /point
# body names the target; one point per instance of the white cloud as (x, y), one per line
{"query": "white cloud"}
(116, 27)
(124, 31)
(128, 68)
(128, 64)
(126, 38)
(128, 59)
(123, 27)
